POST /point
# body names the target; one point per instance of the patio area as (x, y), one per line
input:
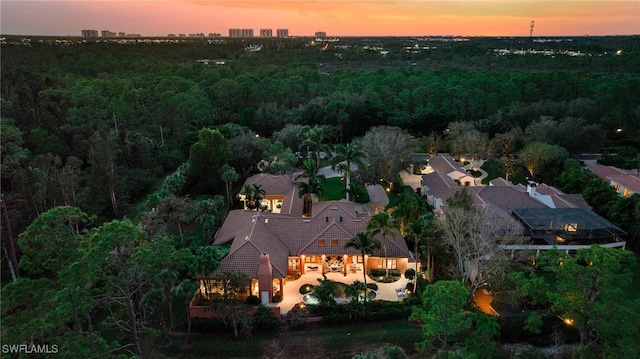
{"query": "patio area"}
(292, 296)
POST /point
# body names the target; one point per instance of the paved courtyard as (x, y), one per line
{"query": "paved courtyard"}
(292, 296)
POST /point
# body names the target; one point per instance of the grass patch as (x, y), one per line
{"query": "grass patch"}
(332, 189)
(214, 346)
(341, 342)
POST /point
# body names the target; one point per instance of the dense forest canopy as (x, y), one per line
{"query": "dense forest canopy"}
(127, 113)
(141, 145)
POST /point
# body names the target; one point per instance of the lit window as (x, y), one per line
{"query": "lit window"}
(321, 242)
(334, 242)
(627, 192)
(618, 187)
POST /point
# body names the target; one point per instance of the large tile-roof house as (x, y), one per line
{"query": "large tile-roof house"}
(270, 246)
(549, 216)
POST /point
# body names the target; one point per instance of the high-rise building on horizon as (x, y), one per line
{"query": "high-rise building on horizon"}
(122, 34)
(266, 33)
(89, 33)
(108, 34)
(321, 34)
(282, 32)
(240, 32)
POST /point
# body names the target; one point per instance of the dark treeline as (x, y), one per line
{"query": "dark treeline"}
(133, 110)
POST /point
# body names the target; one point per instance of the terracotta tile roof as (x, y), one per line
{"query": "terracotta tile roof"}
(445, 164)
(236, 220)
(613, 175)
(282, 235)
(439, 185)
(628, 181)
(561, 199)
(507, 198)
(500, 182)
(606, 172)
(272, 184)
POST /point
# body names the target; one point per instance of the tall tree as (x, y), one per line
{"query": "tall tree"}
(423, 232)
(586, 286)
(366, 244)
(442, 314)
(388, 150)
(209, 154)
(121, 265)
(382, 223)
(348, 154)
(234, 312)
(228, 175)
(313, 138)
(50, 241)
(542, 160)
(474, 237)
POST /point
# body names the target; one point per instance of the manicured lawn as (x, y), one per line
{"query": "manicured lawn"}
(332, 189)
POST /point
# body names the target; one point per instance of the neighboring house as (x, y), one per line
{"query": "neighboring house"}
(625, 182)
(272, 246)
(549, 216)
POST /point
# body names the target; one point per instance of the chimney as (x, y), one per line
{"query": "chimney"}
(531, 189)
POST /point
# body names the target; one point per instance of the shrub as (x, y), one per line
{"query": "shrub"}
(277, 298)
(372, 286)
(383, 272)
(409, 287)
(360, 193)
(410, 273)
(295, 321)
(252, 300)
(382, 309)
(264, 319)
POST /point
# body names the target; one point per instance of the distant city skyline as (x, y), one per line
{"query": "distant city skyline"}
(335, 17)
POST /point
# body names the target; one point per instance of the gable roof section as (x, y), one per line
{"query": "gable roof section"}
(237, 220)
(272, 184)
(444, 164)
(628, 181)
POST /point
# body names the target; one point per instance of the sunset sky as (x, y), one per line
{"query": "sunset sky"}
(335, 17)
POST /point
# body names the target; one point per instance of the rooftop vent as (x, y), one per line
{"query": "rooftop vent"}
(266, 220)
(306, 220)
(246, 238)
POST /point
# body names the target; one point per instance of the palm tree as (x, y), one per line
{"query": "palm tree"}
(229, 175)
(382, 223)
(366, 244)
(254, 194)
(349, 153)
(423, 232)
(309, 189)
(313, 185)
(326, 290)
(313, 137)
